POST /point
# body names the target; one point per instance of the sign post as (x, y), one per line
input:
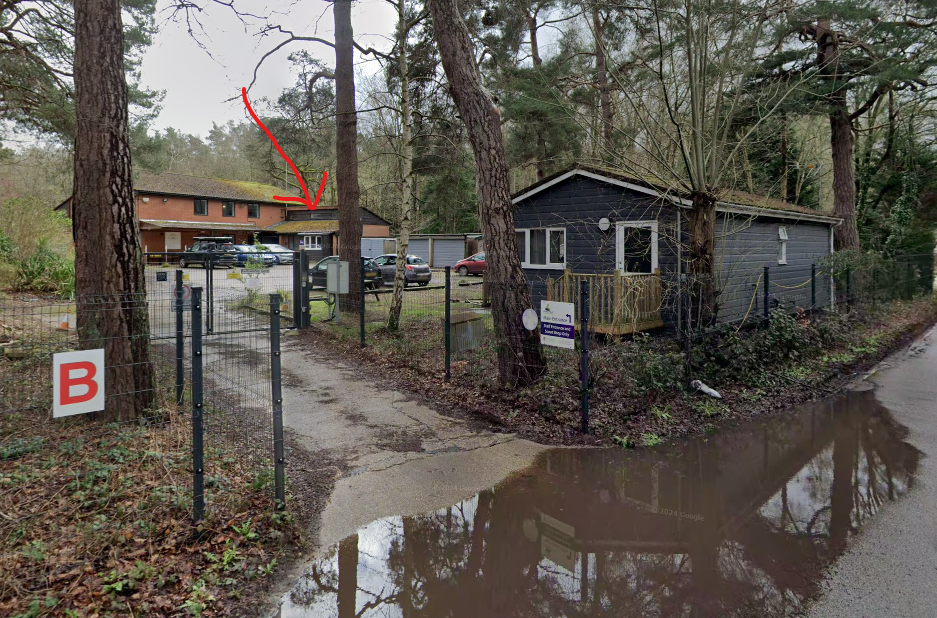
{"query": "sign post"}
(77, 382)
(558, 324)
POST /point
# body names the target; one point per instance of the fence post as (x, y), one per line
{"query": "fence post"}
(584, 354)
(198, 446)
(767, 308)
(298, 286)
(276, 388)
(448, 324)
(180, 340)
(361, 310)
(813, 286)
(210, 297)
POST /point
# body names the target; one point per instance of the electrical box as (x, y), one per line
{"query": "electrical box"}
(336, 278)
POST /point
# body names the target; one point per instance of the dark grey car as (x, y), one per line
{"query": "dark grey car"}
(418, 270)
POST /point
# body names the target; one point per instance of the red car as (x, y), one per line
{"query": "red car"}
(472, 265)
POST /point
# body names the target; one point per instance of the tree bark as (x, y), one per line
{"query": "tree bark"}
(346, 154)
(601, 78)
(534, 45)
(406, 170)
(347, 573)
(520, 361)
(785, 159)
(112, 311)
(702, 234)
(846, 235)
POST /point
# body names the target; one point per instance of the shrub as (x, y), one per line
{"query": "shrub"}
(44, 271)
(655, 369)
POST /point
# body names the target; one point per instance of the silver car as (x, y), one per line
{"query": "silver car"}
(417, 269)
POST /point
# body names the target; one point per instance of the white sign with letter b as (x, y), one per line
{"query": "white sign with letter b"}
(77, 382)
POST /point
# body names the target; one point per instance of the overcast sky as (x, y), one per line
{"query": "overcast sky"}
(198, 81)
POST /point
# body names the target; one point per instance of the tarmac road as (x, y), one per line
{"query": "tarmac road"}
(890, 568)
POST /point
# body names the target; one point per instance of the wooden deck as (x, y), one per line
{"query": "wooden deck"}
(619, 304)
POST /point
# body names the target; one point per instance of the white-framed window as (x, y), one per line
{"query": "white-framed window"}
(782, 245)
(309, 241)
(542, 247)
(636, 247)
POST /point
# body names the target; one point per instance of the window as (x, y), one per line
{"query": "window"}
(201, 207)
(311, 242)
(782, 245)
(636, 247)
(253, 211)
(227, 209)
(542, 247)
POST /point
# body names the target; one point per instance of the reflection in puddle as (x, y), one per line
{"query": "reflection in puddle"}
(740, 523)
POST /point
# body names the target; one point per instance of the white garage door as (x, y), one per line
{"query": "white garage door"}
(447, 252)
(372, 247)
(419, 247)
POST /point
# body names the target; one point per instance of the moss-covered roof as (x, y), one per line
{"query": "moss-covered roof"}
(304, 227)
(216, 188)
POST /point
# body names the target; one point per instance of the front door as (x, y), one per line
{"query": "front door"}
(636, 247)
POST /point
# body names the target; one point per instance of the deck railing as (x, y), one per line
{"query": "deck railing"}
(619, 304)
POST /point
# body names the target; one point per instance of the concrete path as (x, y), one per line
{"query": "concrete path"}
(890, 568)
(402, 457)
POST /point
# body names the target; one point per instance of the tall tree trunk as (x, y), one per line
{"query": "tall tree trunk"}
(538, 62)
(701, 258)
(785, 159)
(112, 307)
(406, 170)
(520, 361)
(534, 45)
(601, 78)
(346, 154)
(846, 235)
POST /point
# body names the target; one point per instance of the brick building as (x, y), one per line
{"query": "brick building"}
(175, 208)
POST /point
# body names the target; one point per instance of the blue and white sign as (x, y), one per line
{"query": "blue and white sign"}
(557, 324)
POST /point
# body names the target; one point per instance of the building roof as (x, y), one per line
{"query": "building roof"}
(147, 224)
(305, 227)
(214, 188)
(727, 200)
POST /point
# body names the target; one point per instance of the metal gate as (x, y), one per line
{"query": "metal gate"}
(235, 296)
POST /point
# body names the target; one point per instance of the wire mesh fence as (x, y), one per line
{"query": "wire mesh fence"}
(162, 382)
(452, 321)
(236, 286)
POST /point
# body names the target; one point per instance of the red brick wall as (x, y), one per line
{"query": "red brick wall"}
(183, 209)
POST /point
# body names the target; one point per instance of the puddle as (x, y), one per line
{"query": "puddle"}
(741, 523)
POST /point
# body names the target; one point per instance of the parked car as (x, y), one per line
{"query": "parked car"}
(221, 250)
(318, 276)
(281, 253)
(472, 265)
(249, 254)
(417, 270)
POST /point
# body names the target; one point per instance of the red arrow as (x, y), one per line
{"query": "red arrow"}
(286, 198)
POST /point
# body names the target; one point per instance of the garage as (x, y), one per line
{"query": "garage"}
(419, 247)
(372, 247)
(447, 251)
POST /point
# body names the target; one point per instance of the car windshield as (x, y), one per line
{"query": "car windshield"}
(415, 260)
(277, 248)
(243, 248)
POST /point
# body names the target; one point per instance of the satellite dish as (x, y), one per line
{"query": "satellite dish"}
(530, 319)
(604, 223)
